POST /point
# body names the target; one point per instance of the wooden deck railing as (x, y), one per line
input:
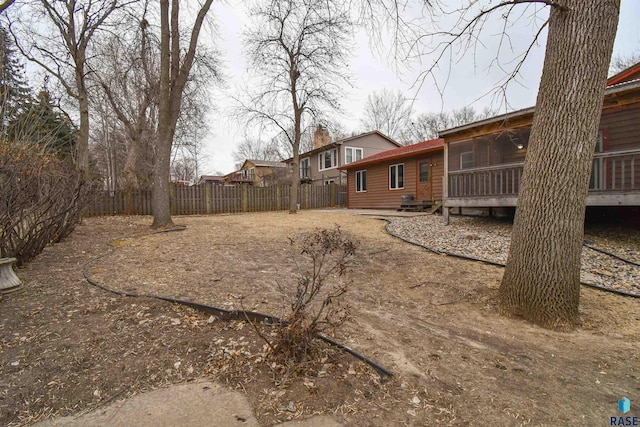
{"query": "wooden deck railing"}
(502, 180)
(617, 171)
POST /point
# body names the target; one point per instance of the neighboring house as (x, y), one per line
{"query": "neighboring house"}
(320, 165)
(257, 172)
(484, 160)
(383, 180)
(180, 180)
(211, 179)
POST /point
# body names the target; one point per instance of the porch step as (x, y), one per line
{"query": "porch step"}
(414, 205)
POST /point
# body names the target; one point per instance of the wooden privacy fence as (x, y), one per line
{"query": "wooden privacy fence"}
(213, 199)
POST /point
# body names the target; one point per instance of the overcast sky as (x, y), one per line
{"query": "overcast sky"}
(468, 79)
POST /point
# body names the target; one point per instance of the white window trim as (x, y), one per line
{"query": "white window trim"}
(321, 159)
(472, 158)
(329, 181)
(396, 165)
(355, 149)
(365, 181)
(308, 167)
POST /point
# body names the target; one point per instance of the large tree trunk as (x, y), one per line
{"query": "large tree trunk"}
(129, 176)
(295, 181)
(173, 78)
(541, 282)
(161, 163)
(82, 144)
(160, 200)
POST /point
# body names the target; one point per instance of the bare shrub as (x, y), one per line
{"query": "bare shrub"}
(314, 304)
(41, 198)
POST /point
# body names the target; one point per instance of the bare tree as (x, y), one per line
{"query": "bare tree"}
(184, 169)
(542, 277)
(390, 113)
(61, 47)
(5, 4)
(298, 49)
(127, 74)
(427, 125)
(622, 62)
(255, 148)
(174, 73)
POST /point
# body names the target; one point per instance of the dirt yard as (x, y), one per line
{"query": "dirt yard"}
(67, 347)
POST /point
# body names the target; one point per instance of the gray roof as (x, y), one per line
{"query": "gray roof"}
(267, 163)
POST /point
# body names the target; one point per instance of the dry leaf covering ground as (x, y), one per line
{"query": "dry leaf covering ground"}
(68, 347)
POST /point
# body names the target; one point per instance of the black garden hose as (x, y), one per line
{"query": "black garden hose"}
(222, 313)
(498, 264)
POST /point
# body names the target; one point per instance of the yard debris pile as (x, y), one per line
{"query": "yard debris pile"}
(488, 240)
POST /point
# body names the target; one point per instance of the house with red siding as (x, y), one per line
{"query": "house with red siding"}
(484, 161)
(404, 176)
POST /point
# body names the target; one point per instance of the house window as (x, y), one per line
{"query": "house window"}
(252, 173)
(352, 154)
(396, 176)
(328, 159)
(424, 171)
(466, 160)
(329, 181)
(304, 168)
(361, 181)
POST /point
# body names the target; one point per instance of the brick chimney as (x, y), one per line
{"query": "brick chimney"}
(321, 137)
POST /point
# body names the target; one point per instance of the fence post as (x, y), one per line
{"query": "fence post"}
(333, 193)
(207, 197)
(244, 198)
(172, 202)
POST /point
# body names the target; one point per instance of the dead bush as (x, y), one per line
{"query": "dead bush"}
(41, 198)
(313, 304)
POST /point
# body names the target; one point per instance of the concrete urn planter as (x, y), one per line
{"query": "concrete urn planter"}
(9, 282)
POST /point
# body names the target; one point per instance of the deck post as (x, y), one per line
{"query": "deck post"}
(445, 186)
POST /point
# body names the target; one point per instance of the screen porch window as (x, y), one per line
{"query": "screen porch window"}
(597, 179)
(466, 160)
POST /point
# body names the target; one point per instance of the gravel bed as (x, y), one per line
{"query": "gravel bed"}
(488, 240)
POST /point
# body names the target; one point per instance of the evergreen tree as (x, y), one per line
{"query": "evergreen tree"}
(38, 123)
(14, 91)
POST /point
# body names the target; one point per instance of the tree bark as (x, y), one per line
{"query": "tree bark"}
(162, 160)
(173, 78)
(82, 144)
(297, 124)
(541, 282)
(295, 181)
